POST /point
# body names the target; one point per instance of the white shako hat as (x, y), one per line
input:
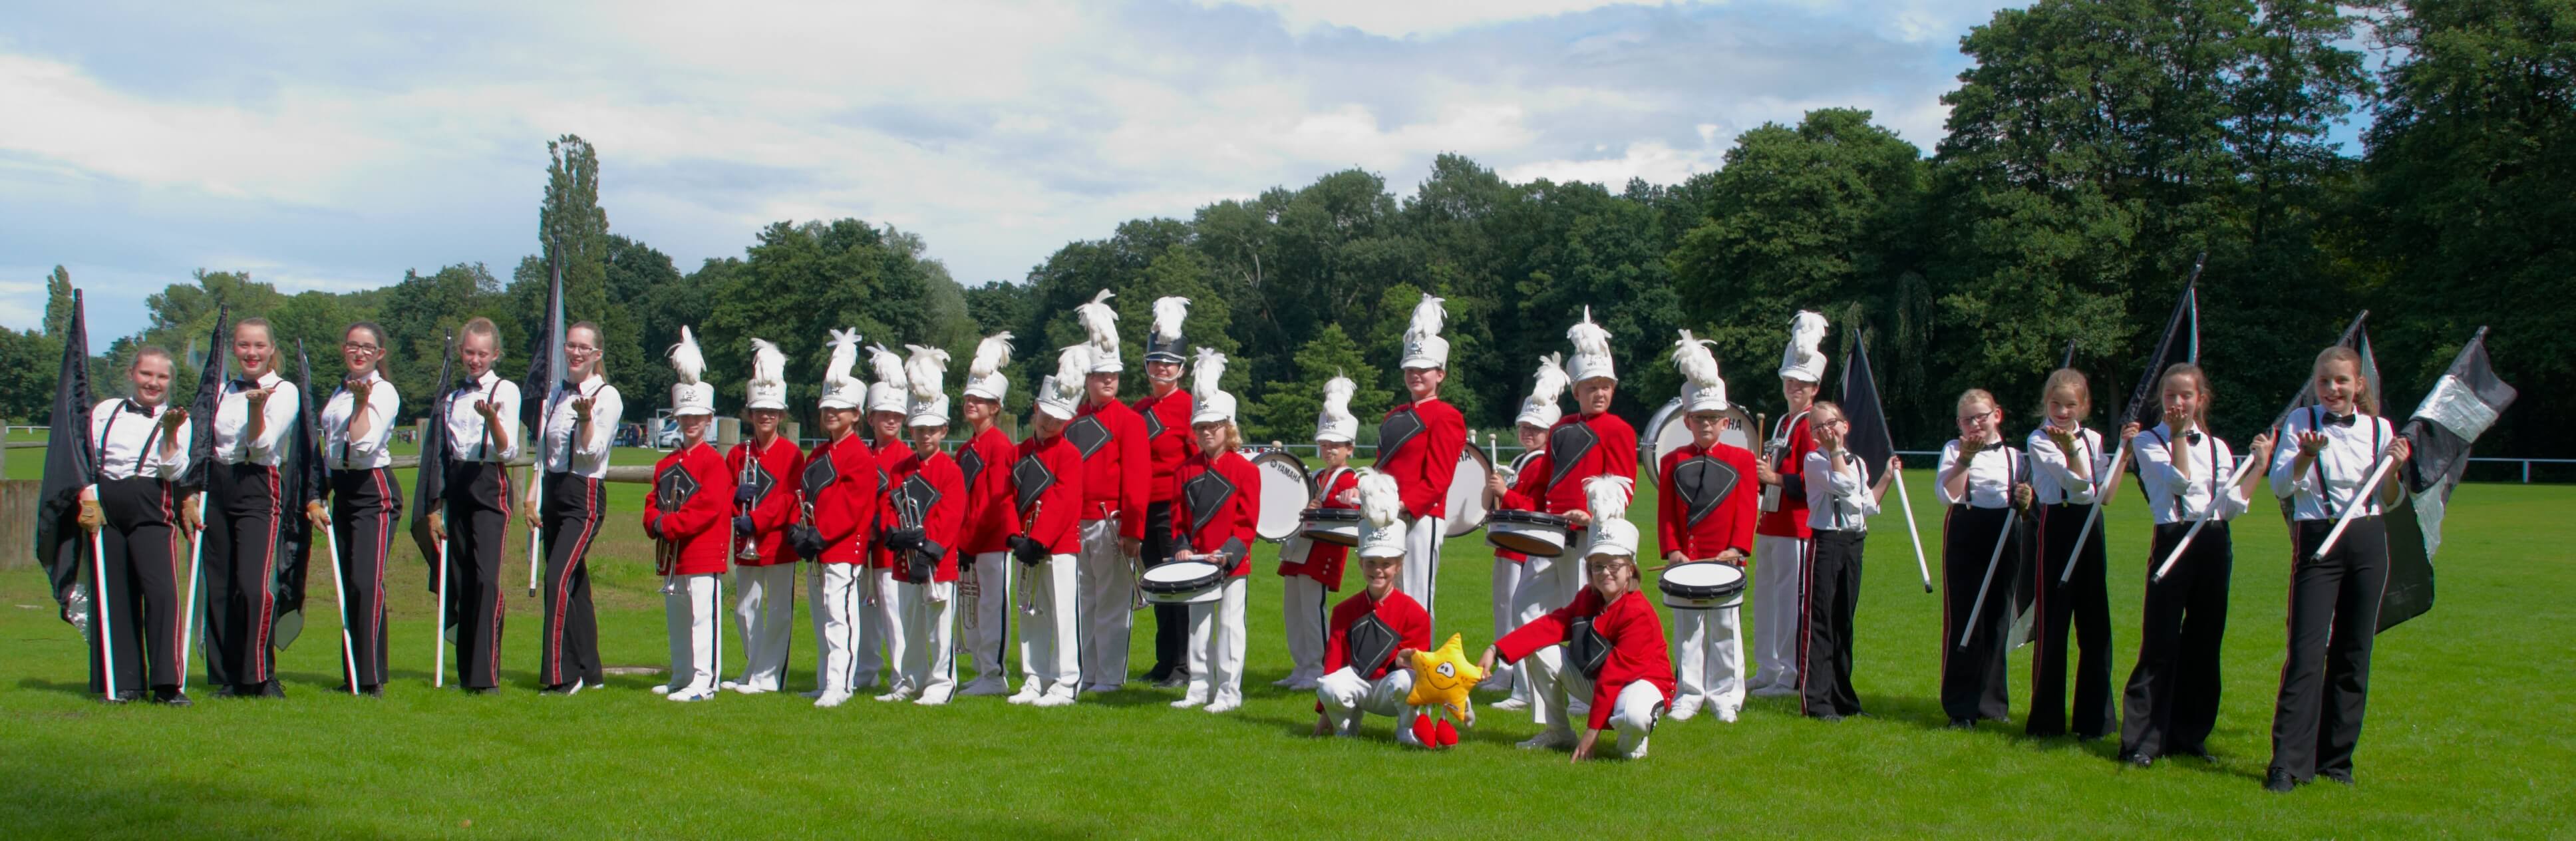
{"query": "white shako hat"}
(691, 395)
(1591, 350)
(1213, 404)
(1803, 359)
(1061, 392)
(887, 393)
(927, 373)
(841, 389)
(1539, 408)
(1702, 389)
(984, 373)
(1336, 423)
(767, 388)
(1423, 347)
(1612, 534)
(1100, 324)
(1164, 344)
(1382, 528)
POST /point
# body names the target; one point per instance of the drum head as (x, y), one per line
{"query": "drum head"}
(1702, 578)
(1665, 432)
(1178, 576)
(1284, 493)
(1467, 492)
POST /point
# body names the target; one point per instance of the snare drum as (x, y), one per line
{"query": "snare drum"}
(1528, 532)
(1702, 585)
(1338, 526)
(1182, 582)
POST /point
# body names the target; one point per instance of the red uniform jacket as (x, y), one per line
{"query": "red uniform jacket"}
(1401, 614)
(1722, 524)
(1791, 519)
(1418, 444)
(1217, 503)
(985, 465)
(701, 529)
(1324, 561)
(1579, 447)
(1636, 645)
(771, 514)
(1059, 505)
(887, 453)
(1114, 466)
(1167, 436)
(846, 503)
(941, 519)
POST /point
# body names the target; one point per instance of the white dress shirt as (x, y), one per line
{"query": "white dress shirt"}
(128, 435)
(1842, 501)
(2052, 475)
(2326, 488)
(1991, 475)
(590, 459)
(465, 432)
(367, 453)
(232, 418)
(2170, 497)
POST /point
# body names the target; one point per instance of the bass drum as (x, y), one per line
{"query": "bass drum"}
(1284, 492)
(1665, 432)
(1466, 506)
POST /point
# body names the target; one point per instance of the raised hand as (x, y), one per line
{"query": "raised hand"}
(171, 420)
(581, 408)
(258, 398)
(2312, 443)
(2129, 433)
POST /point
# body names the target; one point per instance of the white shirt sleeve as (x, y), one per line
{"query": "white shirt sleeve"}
(383, 406)
(605, 409)
(505, 406)
(1949, 459)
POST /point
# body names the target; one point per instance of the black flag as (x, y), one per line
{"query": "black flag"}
(546, 363)
(1868, 439)
(2180, 344)
(299, 469)
(430, 485)
(2461, 405)
(212, 378)
(71, 464)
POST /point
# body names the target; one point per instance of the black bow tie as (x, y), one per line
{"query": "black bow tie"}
(2192, 437)
(2333, 419)
(138, 408)
(245, 385)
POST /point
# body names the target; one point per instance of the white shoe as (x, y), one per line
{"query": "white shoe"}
(1053, 701)
(931, 700)
(1550, 739)
(1640, 751)
(661, 689)
(1682, 712)
(1725, 714)
(1187, 702)
(1028, 694)
(831, 699)
(986, 686)
(729, 684)
(1101, 687)
(897, 696)
(1508, 705)
(1403, 734)
(691, 694)
(747, 689)
(1776, 690)
(1222, 707)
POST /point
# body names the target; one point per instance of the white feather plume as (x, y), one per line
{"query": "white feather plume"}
(768, 365)
(926, 371)
(1606, 495)
(845, 357)
(686, 359)
(1205, 375)
(1427, 317)
(1380, 500)
(1168, 314)
(1071, 365)
(1099, 322)
(1697, 365)
(1551, 378)
(1337, 396)
(888, 366)
(1589, 338)
(1807, 333)
(990, 355)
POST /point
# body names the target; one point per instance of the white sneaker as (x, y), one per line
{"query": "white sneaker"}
(1053, 701)
(899, 695)
(748, 689)
(1725, 714)
(1639, 752)
(931, 700)
(831, 699)
(1222, 707)
(1776, 690)
(1403, 734)
(661, 689)
(1682, 712)
(1508, 705)
(986, 686)
(1028, 694)
(1550, 739)
(1187, 702)
(691, 694)
(729, 684)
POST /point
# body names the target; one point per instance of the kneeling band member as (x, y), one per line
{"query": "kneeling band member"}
(689, 515)
(1375, 631)
(1614, 642)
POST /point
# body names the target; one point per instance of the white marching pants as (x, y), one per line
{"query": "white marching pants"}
(839, 614)
(993, 615)
(689, 608)
(926, 647)
(1708, 658)
(1546, 584)
(764, 615)
(1302, 610)
(1507, 585)
(1048, 661)
(1634, 715)
(1348, 698)
(1420, 576)
(880, 638)
(1216, 647)
(1779, 571)
(1108, 582)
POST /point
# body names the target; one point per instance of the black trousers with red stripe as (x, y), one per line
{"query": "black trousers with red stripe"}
(141, 587)
(574, 505)
(477, 511)
(2334, 616)
(240, 563)
(1832, 596)
(2172, 699)
(2084, 602)
(364, 504)
(1973, 676)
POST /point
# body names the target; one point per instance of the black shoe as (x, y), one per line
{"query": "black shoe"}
(117, 698)
(1963, 724)
(2199, 752)
(2278, 782)
(172, 697)
(482, 690)
(226, 691)
(1828, 718)
(375, 691)
(2138, 759)
(2343, 776)
(271, 689)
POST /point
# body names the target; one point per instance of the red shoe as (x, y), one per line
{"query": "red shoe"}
(1448, 735)
(1423, 732)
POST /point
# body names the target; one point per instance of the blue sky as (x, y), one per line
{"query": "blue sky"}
(333, 146)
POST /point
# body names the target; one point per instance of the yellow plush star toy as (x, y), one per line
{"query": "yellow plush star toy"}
(1441, 679)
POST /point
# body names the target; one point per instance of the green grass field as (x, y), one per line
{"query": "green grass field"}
(2466, 733)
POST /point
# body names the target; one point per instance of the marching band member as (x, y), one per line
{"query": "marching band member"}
(567, 506)
(2334, 597)
(2067, 465)
(984, 465)
(766, 468)
(1704, 512)
(889, 405)
(1983, 480)
(241, 522)
(1781, 535)
(2172, 697)
(1220, 497)
(1593, 442)
(1376, 630)
(1112, 440)
(357, 422)
(689, 515)
(1166, 410)
(1616, 644)
(1418, 444)
(1046, 485)
(142, 446)
(1521, 598)
(1839, 504)
(481, 437)
(843, 492)
(1310, 568)
(928, 495)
